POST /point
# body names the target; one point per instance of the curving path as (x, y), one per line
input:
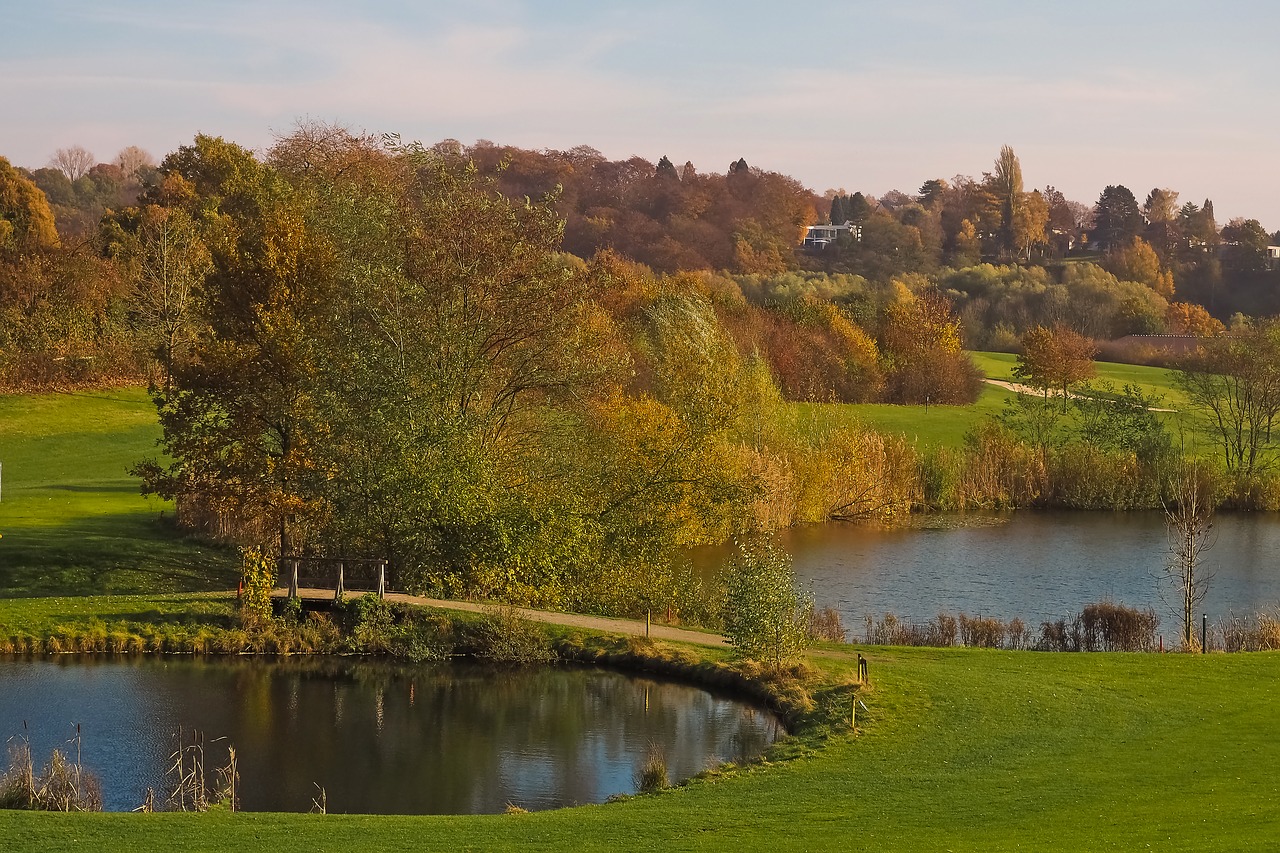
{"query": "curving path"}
(629, 627)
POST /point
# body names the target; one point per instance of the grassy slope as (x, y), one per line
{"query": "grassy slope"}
(946, 426)
(71, 517)
(963, 750)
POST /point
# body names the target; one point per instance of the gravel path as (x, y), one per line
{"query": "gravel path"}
(630, 627)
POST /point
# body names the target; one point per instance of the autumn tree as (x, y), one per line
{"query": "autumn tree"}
(25, 219)
(1055, 359)
(921, 345)
(134, 162)
(1138, 261)
(1030, 219)
(1005, 182)
(167, 261)
(237, 427)
(1187, 318)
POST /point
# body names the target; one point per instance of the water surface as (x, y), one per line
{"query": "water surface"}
(378, 738)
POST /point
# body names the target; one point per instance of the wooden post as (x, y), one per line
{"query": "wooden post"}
(293, 579)
(382, 579)
(339, 590)
(648, 617)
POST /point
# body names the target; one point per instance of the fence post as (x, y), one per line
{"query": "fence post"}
(339, 590)
(382, 579)
(293, 579)
(1204, 633)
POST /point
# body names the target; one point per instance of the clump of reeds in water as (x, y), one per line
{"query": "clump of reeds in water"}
(191, 790)
(62, 785)
(653, 773)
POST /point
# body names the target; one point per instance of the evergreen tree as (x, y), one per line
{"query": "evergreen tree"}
(1117, 217)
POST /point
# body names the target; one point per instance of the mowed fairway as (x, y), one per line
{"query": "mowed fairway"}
(962, 750)
(71, 517)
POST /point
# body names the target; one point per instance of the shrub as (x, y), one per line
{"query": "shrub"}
(825, 625)
(981, 631)
(1111, 627)
(765, 616)
(503, 635)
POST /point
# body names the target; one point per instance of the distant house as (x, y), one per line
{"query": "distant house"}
(1273, 257)
(821, 236)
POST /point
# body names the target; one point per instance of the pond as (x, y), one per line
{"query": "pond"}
(378, 738)
(1034, 565)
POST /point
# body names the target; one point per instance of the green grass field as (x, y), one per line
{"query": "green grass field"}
(71, 517)
(962, 750)
(1152, 380)
(946, 426)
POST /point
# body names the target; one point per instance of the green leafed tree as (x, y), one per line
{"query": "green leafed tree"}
(766, 617)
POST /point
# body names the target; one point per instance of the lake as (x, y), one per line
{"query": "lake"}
(1034, 565)
(377, 737)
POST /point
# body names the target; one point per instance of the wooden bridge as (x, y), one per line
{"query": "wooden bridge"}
(313, 577)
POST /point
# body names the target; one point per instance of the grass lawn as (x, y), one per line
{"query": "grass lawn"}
(1152, 380)
(71, 517)
(962, 750)
(946, 426)
(934, 426)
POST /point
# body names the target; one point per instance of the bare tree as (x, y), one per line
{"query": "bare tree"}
(170, 262)
(1189, 523)
(74, 162)
(133, 159)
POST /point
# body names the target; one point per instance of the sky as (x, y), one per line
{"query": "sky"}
(865, 96)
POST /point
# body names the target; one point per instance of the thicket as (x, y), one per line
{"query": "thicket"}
(1104, 626)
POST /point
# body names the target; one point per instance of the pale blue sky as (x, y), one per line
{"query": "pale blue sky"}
(863, 96)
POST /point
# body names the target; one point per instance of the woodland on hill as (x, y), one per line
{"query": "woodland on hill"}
(532, 375)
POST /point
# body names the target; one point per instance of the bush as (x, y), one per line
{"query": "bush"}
(1111, 627)
(504, 636)
(765, 616)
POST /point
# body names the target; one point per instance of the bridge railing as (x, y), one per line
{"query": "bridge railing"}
(341, 574)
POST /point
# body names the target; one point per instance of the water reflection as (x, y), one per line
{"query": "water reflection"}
(378, 738)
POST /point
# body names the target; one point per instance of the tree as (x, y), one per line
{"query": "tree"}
(765, 616)
(1233, 386)
(1137, 261)
(25, 219)
(134, 161)
(1055, 358)
(1189, 523)
(1006, 185)
(74, 162)
(169, 263)
(1116, 217)
(1128, 422)
(1186, 318)
(921, 344)
(1028, 224)
(1246, 246)
(238, 425)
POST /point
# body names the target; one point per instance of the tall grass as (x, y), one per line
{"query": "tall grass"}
(63, 784)
(1101, 626)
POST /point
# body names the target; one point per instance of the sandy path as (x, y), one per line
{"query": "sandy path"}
(629, 627)
(1027, 389)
